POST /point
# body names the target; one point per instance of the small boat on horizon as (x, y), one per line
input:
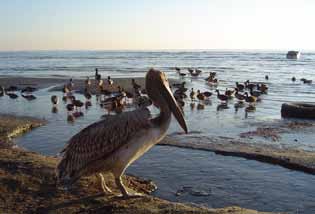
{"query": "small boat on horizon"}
(293, 54)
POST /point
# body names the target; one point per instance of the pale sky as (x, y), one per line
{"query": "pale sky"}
(156, 24)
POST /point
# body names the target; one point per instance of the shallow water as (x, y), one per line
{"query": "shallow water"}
(231, 66)
(233, 181)
(225, 181)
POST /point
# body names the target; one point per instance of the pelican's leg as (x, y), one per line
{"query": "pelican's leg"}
(103, 183)
(123, 189)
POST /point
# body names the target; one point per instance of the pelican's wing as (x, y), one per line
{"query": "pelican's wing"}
(100, 139)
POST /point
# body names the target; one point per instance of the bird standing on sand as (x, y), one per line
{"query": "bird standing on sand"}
(112, 144)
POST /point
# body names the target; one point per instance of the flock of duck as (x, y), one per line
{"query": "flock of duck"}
(245, 93)
(110, 97)
(113, 98)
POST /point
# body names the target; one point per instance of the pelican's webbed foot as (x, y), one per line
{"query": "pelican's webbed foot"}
(104, 186)
(125, 193)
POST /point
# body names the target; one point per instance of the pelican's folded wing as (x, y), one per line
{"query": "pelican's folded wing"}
(100, 139)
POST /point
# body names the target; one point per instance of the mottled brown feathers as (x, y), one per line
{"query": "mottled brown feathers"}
(99, 140)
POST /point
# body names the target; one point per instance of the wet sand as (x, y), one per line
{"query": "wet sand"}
(28, 185)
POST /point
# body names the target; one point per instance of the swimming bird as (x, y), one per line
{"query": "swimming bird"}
(200, 96)
(250, 99)
(28, 89)
(239, 86)
(293, 79)
(249, 85)
(229, 93)
(12, 95)
(54, 100)
(221, 97)
(255, 93)
(112, 144)
(28, 97)
(266, 77)
(177, 68)
(78, 104)
(192, 94)
(239, 96)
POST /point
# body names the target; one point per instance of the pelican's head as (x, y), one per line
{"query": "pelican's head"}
(158, 89)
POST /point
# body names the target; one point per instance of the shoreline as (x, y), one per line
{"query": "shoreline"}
(29, 177)
(298, 160)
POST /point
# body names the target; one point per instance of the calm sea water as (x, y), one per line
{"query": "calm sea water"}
(226, 179)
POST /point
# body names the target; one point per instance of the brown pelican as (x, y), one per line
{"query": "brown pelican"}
(112, 144)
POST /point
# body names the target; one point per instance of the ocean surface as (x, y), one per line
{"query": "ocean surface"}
(222, 181)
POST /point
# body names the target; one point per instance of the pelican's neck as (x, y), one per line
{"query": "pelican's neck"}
(163, 120)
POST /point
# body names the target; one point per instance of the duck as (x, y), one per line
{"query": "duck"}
(200, 96)
(65, 89)
(293, 79)
(54, 100)
(221, 97)
(250, 99)
(229, 93)
(306, 81)
(266, 77)
(29, 97)
(78, 104)
(12, 95)
(177, 68)
(181, 73)
(239, 96)
(28, 89)
(255, 93)
(192, 94)
(70, 107)
(249, 85)
(239, 86)
(263, 88)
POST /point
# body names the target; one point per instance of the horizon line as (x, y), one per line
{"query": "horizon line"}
(161, 50)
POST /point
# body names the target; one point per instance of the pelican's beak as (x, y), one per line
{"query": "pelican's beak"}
(160, 82)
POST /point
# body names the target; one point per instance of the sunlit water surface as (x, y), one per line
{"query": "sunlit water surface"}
(223, 181)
